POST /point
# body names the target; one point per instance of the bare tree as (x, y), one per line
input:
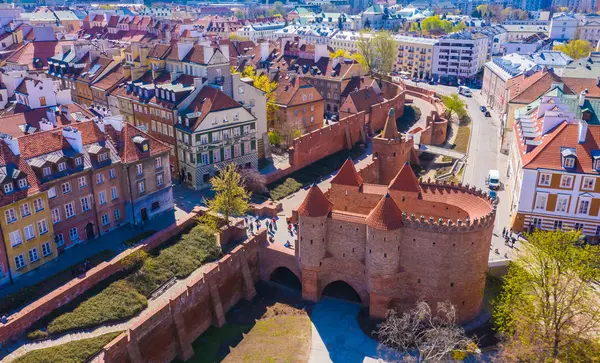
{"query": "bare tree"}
(254, 181)
(432, 337)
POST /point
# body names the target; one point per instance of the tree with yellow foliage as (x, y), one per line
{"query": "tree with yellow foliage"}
(576, 48)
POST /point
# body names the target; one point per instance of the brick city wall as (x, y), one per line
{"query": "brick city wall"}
(167, 332)
(19, 322)
(436, 130)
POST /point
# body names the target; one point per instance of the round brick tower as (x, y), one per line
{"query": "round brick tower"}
(312, 221)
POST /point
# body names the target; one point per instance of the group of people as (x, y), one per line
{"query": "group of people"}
(255, 224)
(509, 238)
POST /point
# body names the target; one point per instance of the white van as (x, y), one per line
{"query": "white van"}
(493, 179)
(465, 91)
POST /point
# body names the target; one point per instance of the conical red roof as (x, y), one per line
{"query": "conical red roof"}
(390, 130)
(386, 215)
(347, 175)
(315, 204)
(405, 180)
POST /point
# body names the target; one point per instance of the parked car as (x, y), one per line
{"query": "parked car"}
(482, 108)
(493, 179)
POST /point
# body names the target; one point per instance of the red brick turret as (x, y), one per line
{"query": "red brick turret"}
(348, 175)
(405, 180)
(390, 130)
(315, 204)
(386, 216)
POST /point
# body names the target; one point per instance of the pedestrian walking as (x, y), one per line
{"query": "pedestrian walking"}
(504, 232)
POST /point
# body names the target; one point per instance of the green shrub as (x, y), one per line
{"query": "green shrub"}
(120, 300)
(288, 187)
(37, 334)
(134, 260)
(136, 239)
(77, 351)
(275, 138)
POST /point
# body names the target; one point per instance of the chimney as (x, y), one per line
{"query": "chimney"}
(582, 98)
(46, 125)
(583, 126)
(12, 143)
(264, 51)
(73, 137)
(225, 50)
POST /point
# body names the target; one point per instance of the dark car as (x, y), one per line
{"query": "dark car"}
(487, 114)
(483, 108)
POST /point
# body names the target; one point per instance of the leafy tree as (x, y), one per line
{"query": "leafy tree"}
(234, 37)
(376, 55)
(548, 309)
(278, 8)
(262, 82)
(576, 48)
(275, 138)
(484, 11)
(415, 27)
(231, 199)
(340, 53)
(435, 336)
(254, 181)
(454, 105)
(460, 26)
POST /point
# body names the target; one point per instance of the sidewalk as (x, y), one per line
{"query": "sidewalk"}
(112, 241)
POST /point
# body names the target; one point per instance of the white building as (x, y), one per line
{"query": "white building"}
(462, 54)
(258, 31)
(589, 29)
(563, 27)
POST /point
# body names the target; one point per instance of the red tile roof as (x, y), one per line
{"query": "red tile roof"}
(315, 204)
(348, 175)
(127, 149)
(208, 100)
(386, 215)
(37, 50)
(405, 180)
(528, 89)
(578, 85)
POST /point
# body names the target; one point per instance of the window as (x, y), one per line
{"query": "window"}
(204, 158)
(113, 193)
(102, 197)
(62, 166)
(140, 169)
(46, 249)
(227, 153)
(303, 97)
(46, 171)
(312, 107)
(588, 183)
(562, 203)
(74, 234)
(584, 206)
(55, 214)
(59, 239)
(226, 135)
(569, 162)
(204, 139)
(78, 161)
(236, 132)
(15, 238)
(111, 174)
(237, 150)
(240, 90)
(69, 210)
(158, 163)
(29, 233)
(33, 255)
(558, 225)
(82, 181)
(540, 201)
(545, 179)
(99, 178)
(42, 101)
(215, 136)
(216, 155)
(105, 220)
(155, 206)
(38, 204)
(42, 226)
(85, 204)
(578, 226)
(566, 181)
(25, 210)
(141, 187)
(8, 188)
(22, 183)
(52, 193)
(159, 180)
(66, 188)
(117, 214)
(19, 262)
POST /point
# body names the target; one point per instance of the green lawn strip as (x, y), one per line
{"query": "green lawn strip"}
(77, 351)
(136, 239)
(31, 293)
(127, 296)
(332, 163)
(463, 135)
(211, 346)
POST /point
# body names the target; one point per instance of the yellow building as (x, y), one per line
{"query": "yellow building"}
(415, 56)
(27, 232)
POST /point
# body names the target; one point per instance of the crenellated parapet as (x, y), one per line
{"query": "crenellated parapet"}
(466, 188)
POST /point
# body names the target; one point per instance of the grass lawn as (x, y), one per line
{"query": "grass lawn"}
(31, 293)
(282, 334)
(463, 135)
(73, 352)
(127, 296)
(332, 163)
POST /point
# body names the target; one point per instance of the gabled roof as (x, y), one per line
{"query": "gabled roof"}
(528, 89)
(348, 175)
(405, 180)
(209, 100)
(386, 215)
(315, 204)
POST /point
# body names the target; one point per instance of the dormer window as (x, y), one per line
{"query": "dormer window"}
(8, 188)
(62, 166)
(22, 183)
(568, 155)
(569, 163)
(102, 157)
(46, 171)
